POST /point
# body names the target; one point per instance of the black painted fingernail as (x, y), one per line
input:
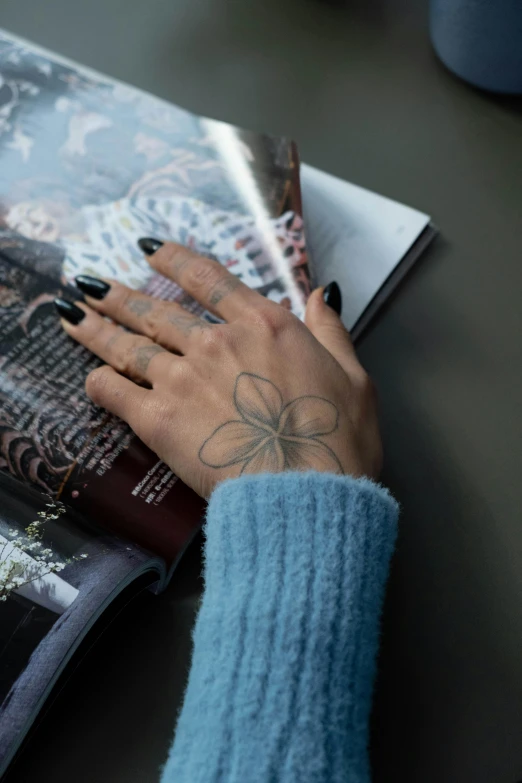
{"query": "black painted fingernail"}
(332, 297)
(92, 286)
(149, 245)
(69, 311)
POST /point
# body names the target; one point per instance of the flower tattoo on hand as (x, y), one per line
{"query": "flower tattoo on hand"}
(272, 436)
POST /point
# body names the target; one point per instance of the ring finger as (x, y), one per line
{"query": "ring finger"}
(166, 323)
(133, 355)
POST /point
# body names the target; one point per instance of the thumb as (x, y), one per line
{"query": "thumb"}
(326, 326)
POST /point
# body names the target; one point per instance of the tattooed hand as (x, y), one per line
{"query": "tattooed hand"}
(260, 392)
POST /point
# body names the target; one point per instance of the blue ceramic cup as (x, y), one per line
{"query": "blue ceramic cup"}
(480, 41)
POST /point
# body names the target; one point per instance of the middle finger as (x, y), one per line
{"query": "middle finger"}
(210, 283)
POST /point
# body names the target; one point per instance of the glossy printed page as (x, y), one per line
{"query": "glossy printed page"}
(57, 575)
(87, 167)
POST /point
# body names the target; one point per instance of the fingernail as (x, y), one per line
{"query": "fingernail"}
(92, 286)
(332, 297)
(69, 311)
(149, 245)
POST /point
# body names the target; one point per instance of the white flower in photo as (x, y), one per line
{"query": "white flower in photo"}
(14, 57)
(45, 68)
(28, 87)
(30, 569)
(80, 126)
(150, 146)
(22, 144)
(63, 104)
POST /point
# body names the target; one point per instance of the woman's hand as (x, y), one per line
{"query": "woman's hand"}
(259, 393)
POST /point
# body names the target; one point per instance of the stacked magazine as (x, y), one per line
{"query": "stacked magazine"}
(87, 167)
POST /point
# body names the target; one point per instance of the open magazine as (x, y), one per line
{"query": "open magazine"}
(87, 167)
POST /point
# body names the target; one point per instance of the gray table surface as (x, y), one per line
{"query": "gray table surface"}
(360, 89)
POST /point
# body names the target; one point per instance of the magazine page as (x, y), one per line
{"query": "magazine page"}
(57, 575)
(360, 238)
(87, 167)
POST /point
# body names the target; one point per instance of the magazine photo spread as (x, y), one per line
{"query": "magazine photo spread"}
(87, 167)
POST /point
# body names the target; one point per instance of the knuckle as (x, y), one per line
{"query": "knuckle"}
(215, 340)
(335, 333)
(270, 320)
(153, 324)
(97, 383)
(203, 274)
(181, 376)
(123, 298)
(125, 358)
(335, 338)
(172, 255)
(94, 331)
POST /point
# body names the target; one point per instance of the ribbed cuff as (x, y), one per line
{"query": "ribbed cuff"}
(252, 514)
(286, 639)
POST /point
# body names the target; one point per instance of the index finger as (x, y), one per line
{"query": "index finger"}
(206, 280)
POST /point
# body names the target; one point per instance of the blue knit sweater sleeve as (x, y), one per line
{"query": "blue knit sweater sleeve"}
(287, 634)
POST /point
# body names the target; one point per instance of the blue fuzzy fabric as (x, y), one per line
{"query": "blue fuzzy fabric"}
(286, 639)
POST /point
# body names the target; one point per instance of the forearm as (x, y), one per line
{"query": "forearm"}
(286, 639)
